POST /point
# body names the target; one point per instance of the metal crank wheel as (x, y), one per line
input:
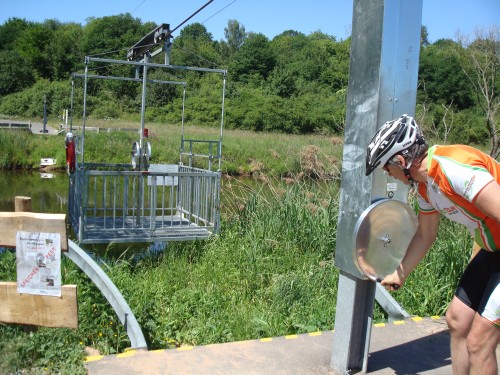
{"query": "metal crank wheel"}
(382, 235)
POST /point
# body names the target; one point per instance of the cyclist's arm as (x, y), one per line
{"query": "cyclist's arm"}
(421, 242)
(488, 200)
(418, 248)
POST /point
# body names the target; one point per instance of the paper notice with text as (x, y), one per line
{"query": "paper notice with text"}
(38, 258)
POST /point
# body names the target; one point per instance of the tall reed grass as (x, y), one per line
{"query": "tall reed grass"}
(270, 272)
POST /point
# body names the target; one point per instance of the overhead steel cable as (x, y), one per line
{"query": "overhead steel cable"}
(191, 16)
(220, 10)
(173, 30)
(137, 7)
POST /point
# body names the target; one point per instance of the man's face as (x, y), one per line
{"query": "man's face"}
(396, 171)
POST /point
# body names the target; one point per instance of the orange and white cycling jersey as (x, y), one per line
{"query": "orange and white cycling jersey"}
(456, 174)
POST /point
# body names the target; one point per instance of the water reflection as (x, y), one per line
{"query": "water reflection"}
(50, 195)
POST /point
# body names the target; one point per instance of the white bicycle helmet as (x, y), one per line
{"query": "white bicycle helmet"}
(394, 137)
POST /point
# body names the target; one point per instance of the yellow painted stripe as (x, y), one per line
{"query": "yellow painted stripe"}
(93, 358)
(126, 354)
(129, 352)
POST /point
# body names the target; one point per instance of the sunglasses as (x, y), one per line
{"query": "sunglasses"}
(390, 162)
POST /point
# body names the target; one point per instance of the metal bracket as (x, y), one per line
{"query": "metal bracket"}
(110, 291)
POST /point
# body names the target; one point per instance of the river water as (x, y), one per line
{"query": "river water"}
(48, 195)
(49, 191)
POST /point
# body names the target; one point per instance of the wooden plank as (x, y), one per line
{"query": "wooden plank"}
(22, 204)
(12, 222)
(44, 311)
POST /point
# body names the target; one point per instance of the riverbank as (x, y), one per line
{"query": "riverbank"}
(244, 153)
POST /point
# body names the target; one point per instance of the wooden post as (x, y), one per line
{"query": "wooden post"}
(22, 204)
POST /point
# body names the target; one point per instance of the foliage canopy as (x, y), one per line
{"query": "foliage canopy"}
(294, 83)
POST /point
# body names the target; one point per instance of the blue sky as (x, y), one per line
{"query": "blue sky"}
(271, 17)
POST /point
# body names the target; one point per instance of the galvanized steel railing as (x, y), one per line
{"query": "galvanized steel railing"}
(110, 203)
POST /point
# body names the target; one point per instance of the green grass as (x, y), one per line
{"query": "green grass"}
(270, 272)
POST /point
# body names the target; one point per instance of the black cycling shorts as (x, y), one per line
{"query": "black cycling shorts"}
(479, 279)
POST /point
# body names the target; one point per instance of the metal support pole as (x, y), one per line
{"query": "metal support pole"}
(44, 114)
(71, 108)
(143, 107)
(383, 76)
(84, 108)
(142, 144)
(221, 119)
(353, 324)
(167, 46)
(182, 123)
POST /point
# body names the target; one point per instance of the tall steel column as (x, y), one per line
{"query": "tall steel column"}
(383, 76)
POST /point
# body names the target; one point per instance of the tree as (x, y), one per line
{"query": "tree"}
(14, 76)
(159, 94)
(235, 35)
(310, 61)
(65, 50)
(32, 45)
(254, 58)
(424, 36)
(195, 47)
(480, 60)
(113, 35)
(282, 82)
(440, 76)
(196, 31)
(336, 73)
(287, 45)
(10, 30)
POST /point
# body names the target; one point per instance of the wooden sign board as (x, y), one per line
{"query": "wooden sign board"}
(44, 311)
(32, 309)
(12, 222)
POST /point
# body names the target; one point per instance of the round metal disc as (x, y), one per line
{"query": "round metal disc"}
(146, 157)
(148, 151)
(135, 154)
(381, 237)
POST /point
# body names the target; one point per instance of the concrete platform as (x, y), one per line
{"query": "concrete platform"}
(37, 128)
(33, 127)
(412, 346)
